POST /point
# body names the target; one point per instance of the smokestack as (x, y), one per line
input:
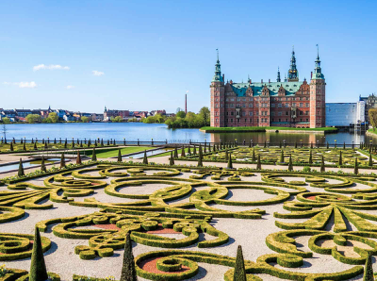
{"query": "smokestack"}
(186, 103)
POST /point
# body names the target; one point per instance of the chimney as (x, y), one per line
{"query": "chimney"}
(269, 80)
(186, 103)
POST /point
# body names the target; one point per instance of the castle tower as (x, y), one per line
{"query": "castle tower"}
(293, 72)
(278, 78)
(217, 97)
(317, 96)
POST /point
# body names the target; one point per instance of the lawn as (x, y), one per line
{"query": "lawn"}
(263, 129)
(114, 152)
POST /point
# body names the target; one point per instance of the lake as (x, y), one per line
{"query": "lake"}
(160, 132)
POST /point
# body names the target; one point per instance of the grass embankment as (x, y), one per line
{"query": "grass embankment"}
(114, 152)
(263, 129)
(372, 131)
(169, 152)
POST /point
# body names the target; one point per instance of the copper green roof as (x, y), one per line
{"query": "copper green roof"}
(290, 88)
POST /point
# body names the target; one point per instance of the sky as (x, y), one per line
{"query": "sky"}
(146, 55)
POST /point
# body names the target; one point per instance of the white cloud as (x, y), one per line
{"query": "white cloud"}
(70, 87)
(98, 73)
(50, 67)
(26, 84)
(187, 91)
(31, 84)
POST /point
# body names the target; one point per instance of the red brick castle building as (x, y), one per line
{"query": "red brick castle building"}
(288, 103)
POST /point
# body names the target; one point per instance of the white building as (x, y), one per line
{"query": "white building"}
(345, 114)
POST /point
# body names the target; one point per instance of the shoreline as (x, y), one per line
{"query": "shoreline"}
(327, 130)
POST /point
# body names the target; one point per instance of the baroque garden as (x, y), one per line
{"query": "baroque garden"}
(298, 212)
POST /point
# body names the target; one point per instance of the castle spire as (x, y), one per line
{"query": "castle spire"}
(278, 79)
(317, 74)
(218, 77)
(292, 72)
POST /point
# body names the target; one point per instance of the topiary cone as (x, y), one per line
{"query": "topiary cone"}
(356, 168)
(282, 156)
(230, 164)
(340, 163)
(310, 157)
(259, 165)
(171, 159)
(239, 269)
(119, 156)
(21, 172)
(38, 271)
(62, 161)
(175, 152)
(322, 165)
(94, 156)
(290, 166)
(253, 157)
(200, 160)
(145, 158)
(370, 163)
(128, 266)
(43, 166)
(78, 158)
(183, 154)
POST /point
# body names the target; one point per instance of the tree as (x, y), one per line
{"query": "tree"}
(340, 162)
(78, 158)
(145, 158)
(175, 152)
(282, 156)
(43, 166)
(368, 270)
(33, 118)
(6, 120)
(290, 165)
(200, 159)
(84, 119)
(21, 172)
(322, 165)
(119, 156)
(62, 161)
(259, 165)
(53, 116)
(94, 156)
(181, 114)
(356, 168)
(230, 164)
(310, 157)
(205, 114)
(239, 269)
(370, 163)
(118, 119)
(128, 266)
(372, 113)
(38, 271)
(183, 153)
(253, 157)
(171, 159)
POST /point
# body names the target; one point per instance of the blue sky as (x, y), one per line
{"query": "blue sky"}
(147, 54)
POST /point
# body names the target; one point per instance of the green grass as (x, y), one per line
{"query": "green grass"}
(263, 129)
(372, 131)
(168, 153)
(114, 152)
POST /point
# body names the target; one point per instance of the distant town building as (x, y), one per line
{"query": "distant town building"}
(370, 102)
(345, 114)
(97, 117)
(154, 112)
(288, 103)
(108, 113)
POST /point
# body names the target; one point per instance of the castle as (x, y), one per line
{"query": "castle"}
(288, 103)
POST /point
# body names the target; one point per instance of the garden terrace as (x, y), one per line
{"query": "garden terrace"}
(186, 221)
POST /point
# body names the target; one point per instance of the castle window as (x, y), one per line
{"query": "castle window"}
(287, 105)
(227, 113)
(250, 105)
(279, 105)
(301, 104)
(307, 104)
(231, 113)
(250, 113)
(231, 120)
(272, 113)
(306, 112)
(238, 99)
(273, 105)
(286, 113)
(279, 114)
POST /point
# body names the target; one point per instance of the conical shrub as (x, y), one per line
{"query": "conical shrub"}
(183, 153)
(200, 159)
(282, 156)
(340, 162)
(239, 269)
(175, 152)
(43, 166)
(356, 168)
(322, 165)
(230, 163)
(189, 150)
(11, 146)
(290, 165)
(94, 156)
(38, 271)
(171, 163)
(78, 158)
(62, 161)
(259, 165)
(128, 266)
(253, 157)
(194, 150)
(310, 157)
(119, 156)
(21, 172)
(370, 163)
(145, 158)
